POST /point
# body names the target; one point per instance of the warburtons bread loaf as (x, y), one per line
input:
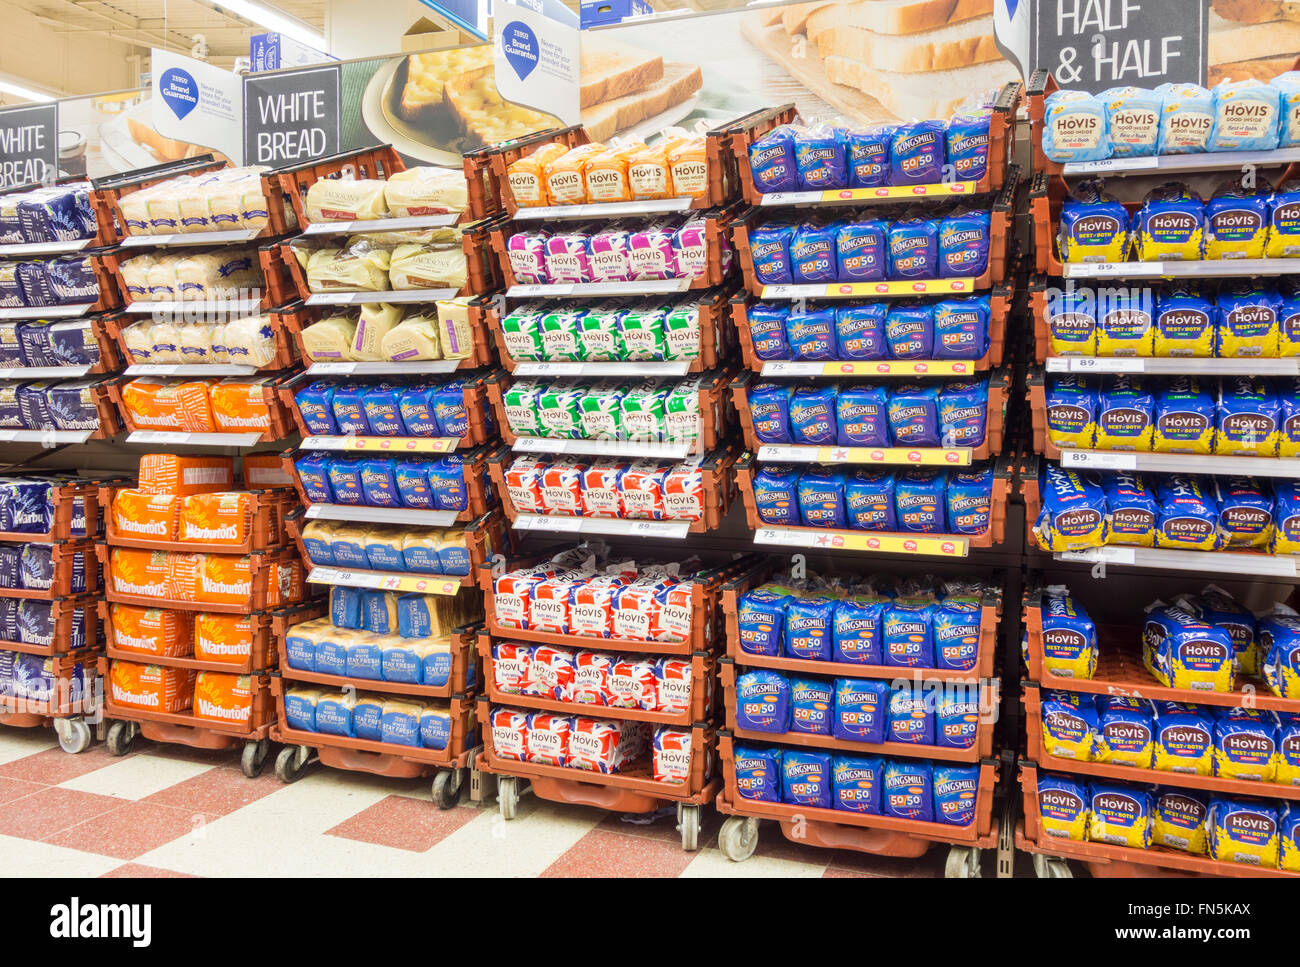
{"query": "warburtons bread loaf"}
(919, 95)
(896, 16)
(611, 70)
(680, 81)
(947, 48)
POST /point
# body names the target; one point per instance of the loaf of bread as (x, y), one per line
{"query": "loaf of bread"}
(426, 191)
(330, 339)
(345, 200)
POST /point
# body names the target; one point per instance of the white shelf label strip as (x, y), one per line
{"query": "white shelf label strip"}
(605, 209)
(403, 296)
(382, 515)
(1183, 463)
(601, 448)
(1173, 366)
(611, 368)
(396, 369)
(1206, 562)
(169, 437)
(672, 530)
(407, 224)
(44, 372)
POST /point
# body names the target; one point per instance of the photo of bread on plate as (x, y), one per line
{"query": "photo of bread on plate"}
(1252, 39)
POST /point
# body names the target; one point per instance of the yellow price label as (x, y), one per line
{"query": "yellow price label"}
(918, 456)
(895, 287)
(941, 545)
(899, 192)
(402, 444)
(901, 367)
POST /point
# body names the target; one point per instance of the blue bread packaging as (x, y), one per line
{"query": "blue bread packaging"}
(812, 414)
(967, 145)
(1245, 744)
(381, 404)
(300, 709)
(1236, 222)
(1182, 651)
(869, 155)
(1125, 322)
(1246, 116)
(861, 710)
(969, 500)
(1244, 831)
(861, 251)
(1286, 517)
(364, 659)
(772, 161)
(415, 615)
(1288, 748)
(1119, 814)
(1132, 120)
(1289, 836)
(919, 500)
(1245, 512)
(73, 343)
(1125, 731)
(450, 409)
(914, 415)
(72, 280)
(820, 158)
(313, 475)
(869, 497)
(1074, 511)
(1279, 644)
(758, 773)
(1288, 318)
(964, 239)
(1170, 225)
(810, 333)
(762, 701)
(1249, 417)
(769, 247)
(419, 411)
(1189, 513)
(1283, 221)
(1217, 607)
(811, 702)
(1072, 321)
(806, 779)
(911, 715)
(345, 607)
(1178, 820)
(447, 481)
(378, 483)
(769, 411)
(1134, 513)
(345, 480)
(857, 783)
(907, 639)
(1094, 227)
(348, 404)
(776, 494)
(1248, 320)
(906, 790)
(963, 412)
(1184, 739)
(862, 416)
(367, 718)
(1125, 414)
(860, 331)
(1063, 807)
(909, 331)
(857, 629)
(1186, 118)
(916, 153)
(808, 626)
(957, 717)
(1069, 726)
(914, 248)
(412, 477)
(1074, 127)
(1185, 324)
(961, 328)
(1185, 416)
(957, 622)
(956, 789)
(1071, 405)
(315, 403)
(812, 253)
(821, 499)
(375, 614)
(767, 323)
(760, 620)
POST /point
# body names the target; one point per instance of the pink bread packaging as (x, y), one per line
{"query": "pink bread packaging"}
(548, 738)
(527, 253)
(509, 733)
(609, 259)
(690, 244)
(511, 661)
(651, 252)
(567, 255)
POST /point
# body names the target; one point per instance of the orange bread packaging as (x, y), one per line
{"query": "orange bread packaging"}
(239, 405)
(216, 519)
(145, 574)
(223, 698)
(224, 579)
(566, 181)
(689, 164)
(152, 688)
(156, 404)
(150, 631)
(167, 473)
(606, 173)
(286, 583)
(265, 471)
(223, 637)
(183, 572)
(649, 174)
(149, 517)
(527, 176)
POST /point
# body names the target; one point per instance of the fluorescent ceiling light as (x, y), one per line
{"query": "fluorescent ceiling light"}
(26, 93)
(264, 16)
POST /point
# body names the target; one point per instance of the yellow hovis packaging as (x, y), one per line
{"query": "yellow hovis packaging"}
(1119, 815)
(566, 182)
(606, 173)
(527, 176)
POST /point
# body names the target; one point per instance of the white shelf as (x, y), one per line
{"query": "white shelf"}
(44, 372)
(194, 307)
(402, 297)
(231, 237)
(676, 367)
(613, 209)
(667, 529)
(382, 515)
(1174, 365)
(393, 369)
(1181, 463)
(402, 582)
(581, 289)
(189, 369)
(1200, 161)
(890, 456)
(1193, 269)
(46, 437)
(17, 249)
(602, 448)
(1206, 562)
(179, 438)
(45, 312)
(413, 223)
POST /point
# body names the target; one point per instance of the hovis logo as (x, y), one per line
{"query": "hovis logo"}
(102, 921)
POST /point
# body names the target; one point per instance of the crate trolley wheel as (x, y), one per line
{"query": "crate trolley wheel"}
(73, 734)
(291, 763)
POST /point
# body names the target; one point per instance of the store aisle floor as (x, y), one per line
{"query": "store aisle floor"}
(171, 811)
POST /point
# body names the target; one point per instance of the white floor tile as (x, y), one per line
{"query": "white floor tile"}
(137, 777)
(16, 743)
(525, 846)
(27, 858)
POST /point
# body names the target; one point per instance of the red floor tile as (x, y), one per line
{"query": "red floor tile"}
(664, 828)
(602, 853)
(831, 873)
(404, 823)
(131, 830)
(48, 812)
(135, 870)
(11, 789)
(54, 766)
(217, 792)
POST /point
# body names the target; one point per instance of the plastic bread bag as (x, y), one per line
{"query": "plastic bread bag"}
(344, 200)
(426, 191)
(428, 267)
(361, 267)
